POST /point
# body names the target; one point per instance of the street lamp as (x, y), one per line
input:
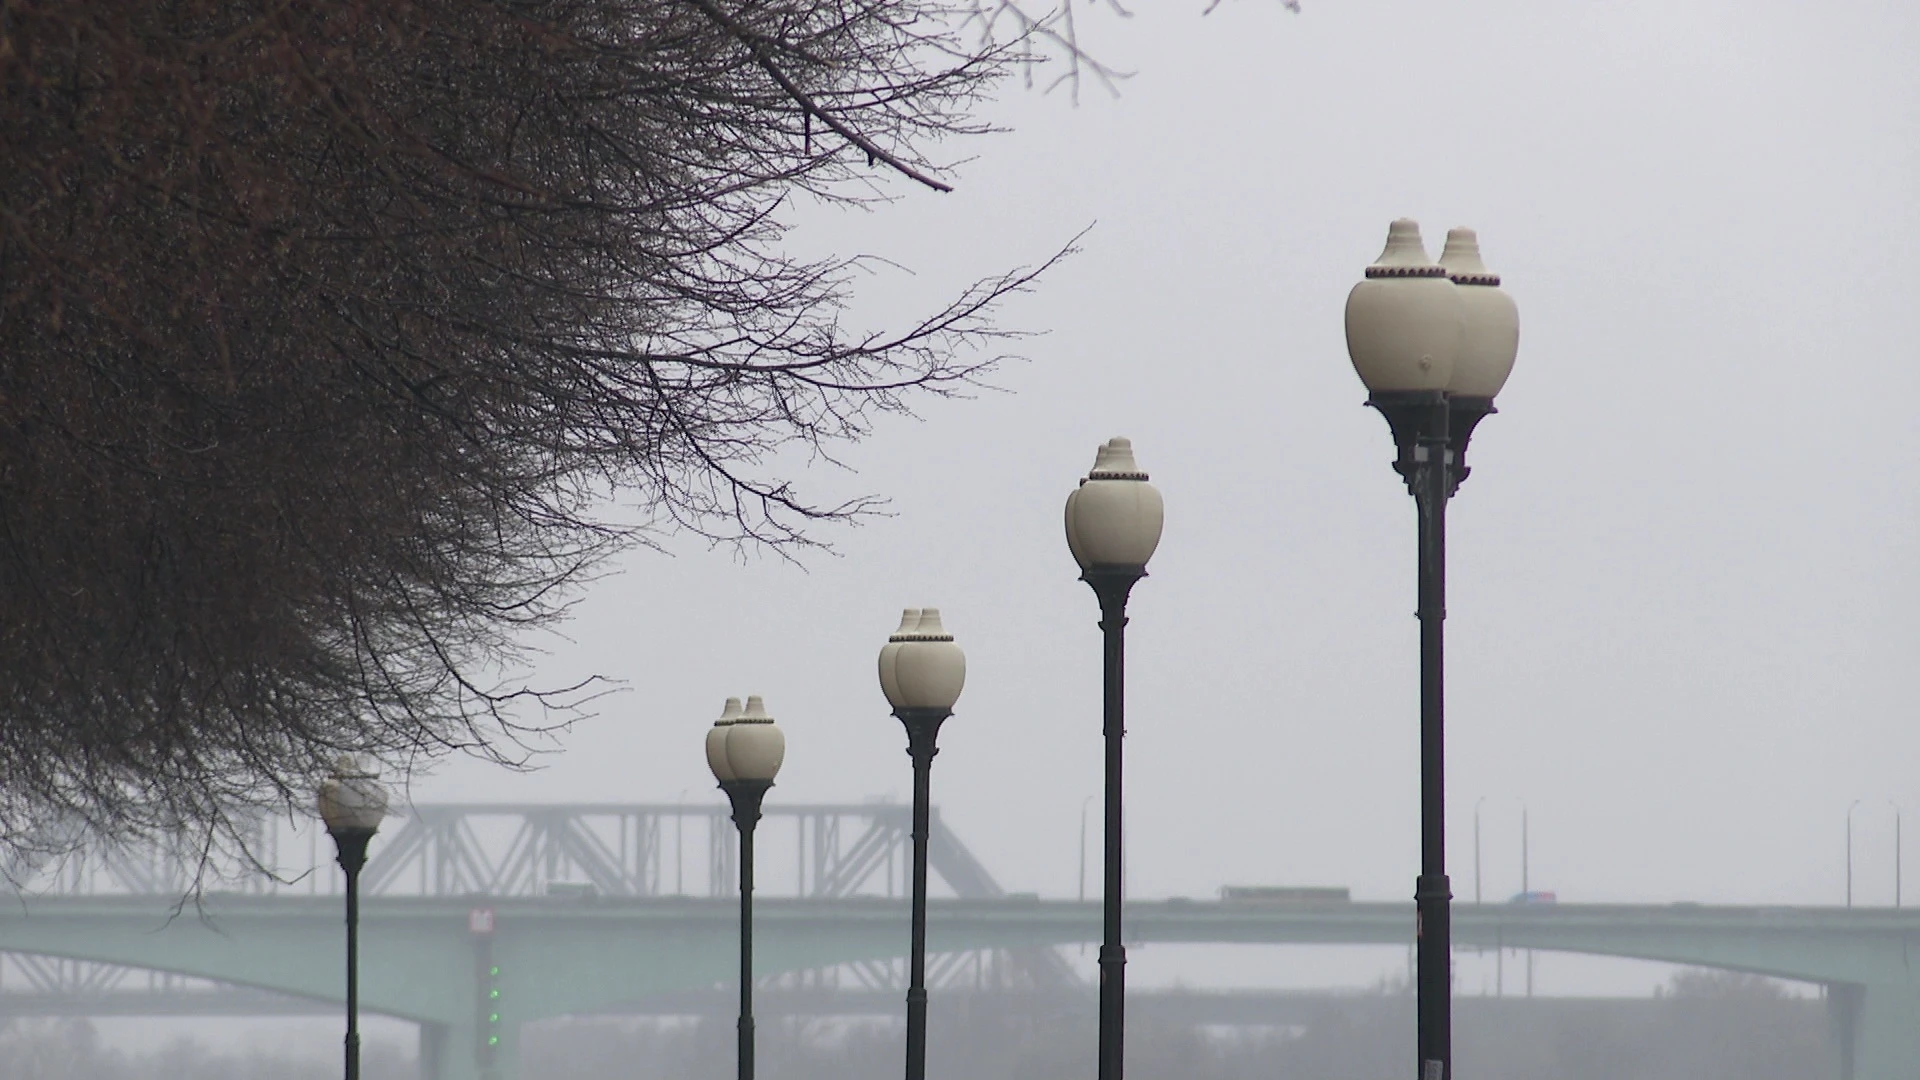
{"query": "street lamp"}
(921, 672)
(352, 803)
(1433, 342)
(1896, 851)
(1113, 525)
(1851, 807)
(744, 750)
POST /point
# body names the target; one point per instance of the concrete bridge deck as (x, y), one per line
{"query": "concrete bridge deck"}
(573, 955)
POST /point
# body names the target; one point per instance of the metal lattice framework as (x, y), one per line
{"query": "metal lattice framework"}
(526, 850)
(533, 849)
(644, 850)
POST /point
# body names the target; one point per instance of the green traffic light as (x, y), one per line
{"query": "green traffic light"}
(493, 1040)
(493, 1018)
(494, 971)
(493, 994)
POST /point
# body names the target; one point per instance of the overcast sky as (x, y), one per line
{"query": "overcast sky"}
(1684, 604)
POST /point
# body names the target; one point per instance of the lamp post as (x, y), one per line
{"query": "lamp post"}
(1526, 881)
(1476, 848)
(1433, 342)
(679, 844)
(352, 803)
(744, 750)
(1113, 526)
(921, 672)
(1850, 808)
(1896, 851)
(1526, 878)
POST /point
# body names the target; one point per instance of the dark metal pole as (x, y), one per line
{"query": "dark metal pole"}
(1112, 587)
(923, 730)
(1526, 879)
(353, 974)
(1430, 432)
(351, 848)
(1476, 849)
(1850, 807)
(745, 1055)
(1433, 938)
(746, 796)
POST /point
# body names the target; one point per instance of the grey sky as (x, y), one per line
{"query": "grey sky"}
(1683, 585)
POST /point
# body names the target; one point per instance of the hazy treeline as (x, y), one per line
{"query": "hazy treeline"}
(1706, 1027)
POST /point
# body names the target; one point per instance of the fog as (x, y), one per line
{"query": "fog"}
(1684, 599)
(1682, 593)
(1704, 1027)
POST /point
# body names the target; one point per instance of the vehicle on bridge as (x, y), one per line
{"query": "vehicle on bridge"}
(1535, 896)
(1295, 895)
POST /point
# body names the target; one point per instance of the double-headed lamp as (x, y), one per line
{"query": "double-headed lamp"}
(1417, 325)
(745, 743)
(920, 665)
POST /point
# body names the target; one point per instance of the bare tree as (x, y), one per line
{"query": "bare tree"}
(324, 328)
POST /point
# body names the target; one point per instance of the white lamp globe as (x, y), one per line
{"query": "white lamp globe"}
(755, 744)
(929, 670)
(1115, 516)
(717, 741)
(1493, 320)
(909, 620)
(352, 799)
(1406, 324)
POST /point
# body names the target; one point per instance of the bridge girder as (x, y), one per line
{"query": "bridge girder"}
(668, 944)
(621, 936)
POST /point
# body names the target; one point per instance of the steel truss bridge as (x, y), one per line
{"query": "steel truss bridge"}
(534, 849)
(573, 852)
(598, 909)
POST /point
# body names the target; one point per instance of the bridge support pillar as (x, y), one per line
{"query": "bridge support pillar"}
(433, 1051)
(1876, 1030)
(450, 1052)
